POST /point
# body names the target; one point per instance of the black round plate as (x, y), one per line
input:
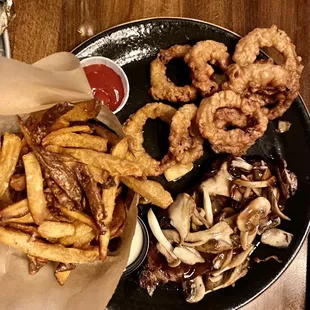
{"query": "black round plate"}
(133, 46)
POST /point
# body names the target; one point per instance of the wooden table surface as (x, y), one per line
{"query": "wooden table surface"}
(43, 27)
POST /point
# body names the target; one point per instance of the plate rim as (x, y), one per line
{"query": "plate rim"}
(159, 18)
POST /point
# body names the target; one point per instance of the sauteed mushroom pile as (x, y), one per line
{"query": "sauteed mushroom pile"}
(212, 232)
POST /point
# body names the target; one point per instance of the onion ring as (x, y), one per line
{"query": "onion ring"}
(268, 79)
(162, 87)
(228, 116)
(198, 58)
(248, 47)
(186, 143)
(133, 128)
(235, 141)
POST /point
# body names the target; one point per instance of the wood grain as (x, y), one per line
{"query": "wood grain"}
(43, 27)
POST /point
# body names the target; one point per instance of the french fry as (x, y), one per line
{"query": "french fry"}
(120, 149)
(35, 264)
(80, 140)
(62, 276)
(18, 182)
(51, 229)
(118, 218)
(8, 159)
(176, 172)
(108, 199)
(16, 210)
(151, 190)
(34, 183)
(26, 219)
(82, 111)
(99, 175)
(115, 166)
(78, 215)
(81, 128)
(81, 229)
(84, 240)
(5, 199)
(27, 229)
(52, 252)
(106, 133)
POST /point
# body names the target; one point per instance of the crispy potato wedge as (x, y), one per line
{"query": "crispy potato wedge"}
(108, 199)
(16, 210)
(34, 183)
(85, 240)
(51, 229)
(82, 111)
(105, 133)
(18, 182)
(115, 166)
(80, 216)
(151, 190)
(81, 229)
(78, 140)
(176, 172)
(120, 149)
(26, 219)
(8, 159)
(62, 276)
(35, 264)
(81, 128)
(52, 252)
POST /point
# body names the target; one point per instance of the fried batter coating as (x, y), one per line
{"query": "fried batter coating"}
(134, 129)
(162, 87)
(228, 116)
(186, 143)
(200, 58)
(277, 85)
(235, 141)
(248, 47)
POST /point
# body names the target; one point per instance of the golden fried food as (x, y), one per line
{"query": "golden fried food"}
(248, 47)
(52, 252)
(162, 87)
(51, 229)
(18, 182)
(79, 140)
(35, 193)
(200, 58)
(235, 141)
(186, 143)
(8, 159)
(176, 172)
(105, 133)
(16, 210)
(134, 129)
(151, 190)
(80, 230)
(229, 116)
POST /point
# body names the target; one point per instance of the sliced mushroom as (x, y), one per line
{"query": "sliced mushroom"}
(172, 261)
(213, 246)
(287, 179)
(250, 217)
(188, 256)
(220, 231)
(247, 237)
(236, 261)
(194, 290)
(222, 259)
(266, 224)
(201, 219)
(194, 227)
(158, 234)
(255, 184)
(212, 282)
(180, 213)
(235, 193)
(274, 204)
(277, 237)
(240, 163)
(172, 235)
(220, 183)
(196, 221)
(207, 206)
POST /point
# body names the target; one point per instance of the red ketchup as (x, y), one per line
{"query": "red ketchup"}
(106, 85)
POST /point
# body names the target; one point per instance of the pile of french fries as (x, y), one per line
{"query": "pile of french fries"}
(62, 193)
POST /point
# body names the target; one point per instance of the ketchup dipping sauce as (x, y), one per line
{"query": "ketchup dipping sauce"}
(108, 82)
